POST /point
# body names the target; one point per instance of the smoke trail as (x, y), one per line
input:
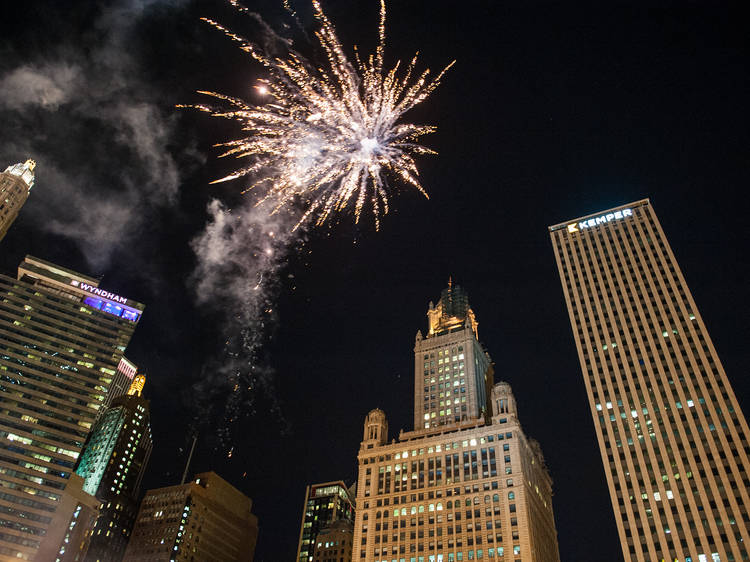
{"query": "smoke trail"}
(327, 139)
(241, 254)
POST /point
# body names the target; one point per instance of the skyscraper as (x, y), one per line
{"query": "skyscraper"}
(206, 520)
(469, 489)
(61, 339)
(325, 504)
(15, 185)
(112, 463)
(451, 368)
(673, 440)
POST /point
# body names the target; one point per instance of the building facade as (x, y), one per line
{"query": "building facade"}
(672, 438)
(206, 520)
(61, 339)
(334, 542)
(112, 464)
(325, 504)
(472, 489)
(15, 185)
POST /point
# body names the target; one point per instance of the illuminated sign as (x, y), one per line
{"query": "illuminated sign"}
(112, 308)
(107, 306)
(590, 223)
(97, 291)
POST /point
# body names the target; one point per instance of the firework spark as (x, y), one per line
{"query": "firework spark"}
(328, 137)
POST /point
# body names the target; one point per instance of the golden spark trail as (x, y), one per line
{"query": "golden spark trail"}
(327, 137)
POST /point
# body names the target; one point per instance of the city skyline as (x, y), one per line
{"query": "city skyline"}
(551, 112)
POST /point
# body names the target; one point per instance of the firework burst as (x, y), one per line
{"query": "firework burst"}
(328, 136)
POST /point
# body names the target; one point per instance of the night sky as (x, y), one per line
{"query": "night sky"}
(553, 110)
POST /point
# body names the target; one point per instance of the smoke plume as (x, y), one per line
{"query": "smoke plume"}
(241, 255)
(97, 132)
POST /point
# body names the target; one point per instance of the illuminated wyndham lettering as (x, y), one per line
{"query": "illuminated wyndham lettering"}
(102, 293)
(590, 223)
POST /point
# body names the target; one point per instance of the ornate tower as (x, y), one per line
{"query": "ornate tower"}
(451, 369)
(15, 184)
(467, 483)
(376, 429)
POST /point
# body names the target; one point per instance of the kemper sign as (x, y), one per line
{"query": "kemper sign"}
(100, 292)
(616, 215)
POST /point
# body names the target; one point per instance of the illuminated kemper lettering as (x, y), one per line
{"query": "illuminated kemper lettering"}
(102, 293)
(577, 227)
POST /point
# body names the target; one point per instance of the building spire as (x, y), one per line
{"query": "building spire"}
(136, 387)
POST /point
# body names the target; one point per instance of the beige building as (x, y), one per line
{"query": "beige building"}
(334, 542)
(206, 520)
(61, 340)
(472, 489)
(15, 185)
(69, 535)
(673, 440)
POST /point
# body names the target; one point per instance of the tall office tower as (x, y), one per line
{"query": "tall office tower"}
(467, 490)
(15, 184)
(61, 339)
(673, 440)
(334, 542)
(206, 520)
(451, 369)
(324, 504)
(112, 463)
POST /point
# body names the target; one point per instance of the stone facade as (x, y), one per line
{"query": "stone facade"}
(472, 488)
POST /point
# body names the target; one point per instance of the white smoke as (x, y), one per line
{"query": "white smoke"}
(241, 254)
(46, 86)
(98, 134)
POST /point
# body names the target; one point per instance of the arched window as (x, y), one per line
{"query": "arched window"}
(511, 495)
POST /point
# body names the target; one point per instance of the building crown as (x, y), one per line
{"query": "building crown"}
(452, 311)
(23, 170)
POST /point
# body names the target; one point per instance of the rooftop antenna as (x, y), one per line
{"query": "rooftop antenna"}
(190, 456)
